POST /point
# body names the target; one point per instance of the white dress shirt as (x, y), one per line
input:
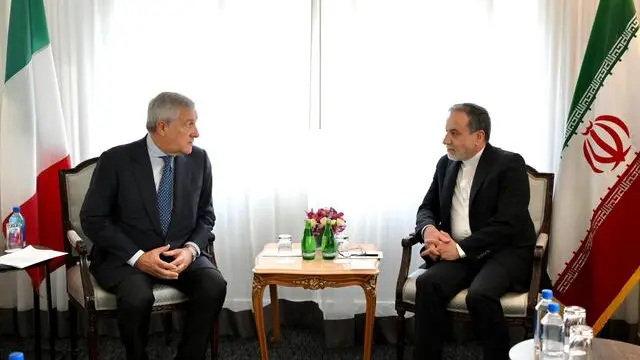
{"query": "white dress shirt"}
(460, 226)
(155, 155)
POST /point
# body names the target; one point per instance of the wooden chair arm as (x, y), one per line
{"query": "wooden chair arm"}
(407, 243)
(210, 250)
(536, 275)
(77, 243)
(410, 240)
(87, 286)
(541, 246)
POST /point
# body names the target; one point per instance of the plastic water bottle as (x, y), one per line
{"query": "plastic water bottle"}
(16, 356)
(552, 334)
(544, 300)
(15, 231)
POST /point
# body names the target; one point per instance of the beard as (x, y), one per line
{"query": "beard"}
(452, 157)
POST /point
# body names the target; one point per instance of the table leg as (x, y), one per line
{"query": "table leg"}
(275, 307)
(369, 287)
(258, 287)
(36, 318)
(53, 325)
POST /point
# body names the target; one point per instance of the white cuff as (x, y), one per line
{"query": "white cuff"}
(135, 258)
(423, 229)
(195, 246)
(460, 251)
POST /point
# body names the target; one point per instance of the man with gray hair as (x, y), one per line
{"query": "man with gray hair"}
(477, 233)
(149, 213)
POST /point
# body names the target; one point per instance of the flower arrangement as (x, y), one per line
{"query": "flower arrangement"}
(320, 218)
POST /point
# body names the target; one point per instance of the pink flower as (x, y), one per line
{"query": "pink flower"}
(324, 215)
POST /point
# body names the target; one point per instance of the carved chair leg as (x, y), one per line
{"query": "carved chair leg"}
(73, 330)
(92, 338)
(400, 333)
(528, 329)
(167, 323)
(215, 337)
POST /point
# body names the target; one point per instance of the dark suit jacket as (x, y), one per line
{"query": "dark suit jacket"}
(501, 226)
(120, 214)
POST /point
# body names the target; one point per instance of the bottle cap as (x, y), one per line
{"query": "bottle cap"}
(16, 209)
(547, 294)
(554, 308)
(16, 356)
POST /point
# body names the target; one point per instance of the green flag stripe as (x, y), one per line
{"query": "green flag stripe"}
(616, 24)
(27, 34)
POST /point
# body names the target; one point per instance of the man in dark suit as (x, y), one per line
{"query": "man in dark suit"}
(149, 213)
(478, 234)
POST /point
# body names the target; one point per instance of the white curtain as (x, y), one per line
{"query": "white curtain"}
(316, 103)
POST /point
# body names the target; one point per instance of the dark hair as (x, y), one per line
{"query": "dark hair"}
(478, 118)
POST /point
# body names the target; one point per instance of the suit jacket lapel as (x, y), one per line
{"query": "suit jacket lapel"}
(143, 174)
(484, 166)
(180, 186)
(449, 186)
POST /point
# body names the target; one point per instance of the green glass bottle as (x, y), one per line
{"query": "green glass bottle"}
(329, 246)
(308, 242)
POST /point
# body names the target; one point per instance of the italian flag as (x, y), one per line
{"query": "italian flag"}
(594, 254)
(32, 137)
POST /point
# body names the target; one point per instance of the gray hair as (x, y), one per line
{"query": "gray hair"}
(478, 118)
(166, 106)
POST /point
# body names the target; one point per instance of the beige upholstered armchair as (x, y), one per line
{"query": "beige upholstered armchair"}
(518, 307)
(84, 293)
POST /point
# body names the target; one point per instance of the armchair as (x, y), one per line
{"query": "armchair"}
(518, 307)
(84, 292)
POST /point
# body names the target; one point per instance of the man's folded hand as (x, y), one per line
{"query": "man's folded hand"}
(182, 258)
(151, 263)
(431, 251)
(448, 248)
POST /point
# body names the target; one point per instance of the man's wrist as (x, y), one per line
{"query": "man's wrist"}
(194, 252)
(195, 246)
(132, 261)
(461, 252)
(424, 229)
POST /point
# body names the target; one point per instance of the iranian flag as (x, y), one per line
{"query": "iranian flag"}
(32, 138)
(594, 253)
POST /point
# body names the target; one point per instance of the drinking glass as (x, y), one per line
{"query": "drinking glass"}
(580, 342)
(573, 315)
(343, 245)
(285, 246)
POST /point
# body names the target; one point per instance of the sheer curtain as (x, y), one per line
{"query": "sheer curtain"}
(316, 103)
(390, 71)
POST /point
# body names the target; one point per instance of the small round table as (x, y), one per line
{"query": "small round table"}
(601, 349)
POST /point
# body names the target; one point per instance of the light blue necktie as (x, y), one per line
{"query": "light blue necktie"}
(165, 193)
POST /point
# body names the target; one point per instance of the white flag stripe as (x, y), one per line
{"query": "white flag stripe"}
(31, 131)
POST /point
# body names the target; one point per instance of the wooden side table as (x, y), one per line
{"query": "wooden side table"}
(601, 349)
(314, 275)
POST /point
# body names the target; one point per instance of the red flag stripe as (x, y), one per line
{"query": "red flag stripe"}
(608, 256)
(43, 216)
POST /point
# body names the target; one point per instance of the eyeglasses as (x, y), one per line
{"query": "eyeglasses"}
(355, 251)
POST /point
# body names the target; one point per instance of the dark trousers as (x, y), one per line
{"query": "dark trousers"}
(436, 287)
(206, 289)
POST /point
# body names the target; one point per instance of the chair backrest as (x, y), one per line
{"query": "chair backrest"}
(74, 184)
(541, 190)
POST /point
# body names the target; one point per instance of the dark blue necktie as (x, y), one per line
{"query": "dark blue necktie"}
(165, 193)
